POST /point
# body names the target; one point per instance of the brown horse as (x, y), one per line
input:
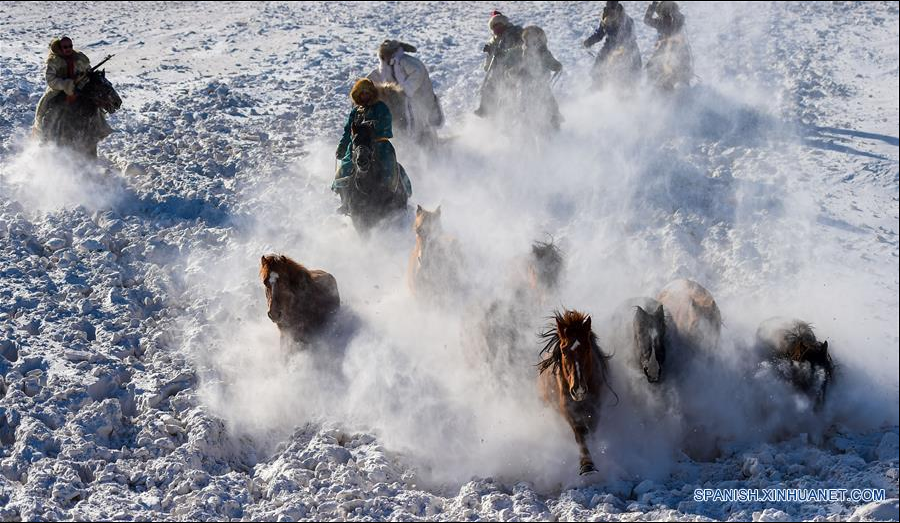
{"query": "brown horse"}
(300, 301)
(694, 312)
(435, 264)
(545, 267)
(573, 376)
(800, 358)
(504, 325)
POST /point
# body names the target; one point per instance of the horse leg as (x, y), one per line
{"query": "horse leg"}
(585, 461)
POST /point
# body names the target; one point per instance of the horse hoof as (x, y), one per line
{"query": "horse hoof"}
(587, 469)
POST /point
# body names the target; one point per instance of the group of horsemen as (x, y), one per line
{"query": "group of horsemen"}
(519, 74)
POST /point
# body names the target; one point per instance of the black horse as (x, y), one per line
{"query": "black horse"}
(81, 123)
(373, 194)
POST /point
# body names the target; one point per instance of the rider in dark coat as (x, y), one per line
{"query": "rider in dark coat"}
(535, 70)
(369, 110)
(618, 30)
(671, 63)
(504, 53)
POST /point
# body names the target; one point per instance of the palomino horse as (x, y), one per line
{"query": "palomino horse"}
(671, 65)
(573, 376)
(791, 346)
(300, 301)
(435, 264)
(395, 98)
(694, 313)
(639, 331)
(619, 66)
(81, 124)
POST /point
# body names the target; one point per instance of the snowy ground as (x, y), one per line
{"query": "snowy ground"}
(140, 378)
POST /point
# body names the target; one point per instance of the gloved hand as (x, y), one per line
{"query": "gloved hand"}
(587, 43)
(341, 151)
(486, 48)
(69, 87)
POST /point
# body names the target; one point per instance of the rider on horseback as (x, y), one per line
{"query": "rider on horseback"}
(618, 29)
(67, 71)
(369, 125)
(534, 75)
(671, 63)
(504, 52)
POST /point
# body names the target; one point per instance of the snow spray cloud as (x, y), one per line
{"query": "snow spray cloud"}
(44, 177)
(638, 190)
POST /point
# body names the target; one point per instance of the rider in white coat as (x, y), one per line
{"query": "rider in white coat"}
(423, 110)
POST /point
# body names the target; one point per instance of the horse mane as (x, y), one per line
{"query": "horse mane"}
(801, 340)
(284, 266)
(550, 336)
(548, 261)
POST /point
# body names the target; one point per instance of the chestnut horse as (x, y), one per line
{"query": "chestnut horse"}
(300, 301)
(573, 376)
(694, 313)
(435, 264)
(801, 359)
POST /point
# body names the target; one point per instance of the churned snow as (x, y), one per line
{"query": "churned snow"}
(141, 379)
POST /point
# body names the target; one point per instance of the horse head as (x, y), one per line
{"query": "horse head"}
(571, 347)
(650, 332)
(428, 223)
(545, 265)
(814, 368)
(363, 136)
(101, 93)
(282, 277)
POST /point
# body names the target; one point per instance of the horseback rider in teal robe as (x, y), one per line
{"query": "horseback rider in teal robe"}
(369, 115)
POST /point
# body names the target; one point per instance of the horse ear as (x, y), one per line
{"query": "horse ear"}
(824, 345)
(587, 323)
(262, 259)
(437, 212)
(419, 209)
(659, 311)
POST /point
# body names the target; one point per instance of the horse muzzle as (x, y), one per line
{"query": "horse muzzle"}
(578, 394)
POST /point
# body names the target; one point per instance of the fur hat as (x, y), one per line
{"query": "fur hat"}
(56, 45)
(362, 85)
(389, 47)
(497, 18)
(667, 8)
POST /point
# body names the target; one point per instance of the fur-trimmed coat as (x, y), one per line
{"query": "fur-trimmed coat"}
(385, 156)
(423, 108)
(58, 80)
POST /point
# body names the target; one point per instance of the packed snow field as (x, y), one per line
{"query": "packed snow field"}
(141, 379)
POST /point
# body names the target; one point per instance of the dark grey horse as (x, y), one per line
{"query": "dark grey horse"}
(791, 346)
(81, 124)
(638, 332)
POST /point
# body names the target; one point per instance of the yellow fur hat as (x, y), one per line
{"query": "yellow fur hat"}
(362, 85)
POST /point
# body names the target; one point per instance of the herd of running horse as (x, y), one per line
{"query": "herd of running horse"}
(571, 370)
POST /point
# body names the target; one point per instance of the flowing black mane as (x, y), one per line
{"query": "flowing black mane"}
(552, 350)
